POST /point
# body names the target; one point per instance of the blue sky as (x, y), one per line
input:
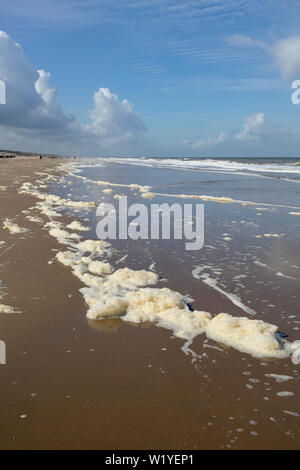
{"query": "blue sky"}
(205, 77)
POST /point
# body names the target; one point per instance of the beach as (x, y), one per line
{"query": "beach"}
(78, 376)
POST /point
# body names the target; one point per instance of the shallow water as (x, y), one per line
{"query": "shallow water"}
(251, 253)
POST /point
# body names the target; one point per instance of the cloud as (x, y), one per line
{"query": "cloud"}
(210, 142)
(189, 29)
(258, 136)
(252, 126)
(114, 121)
(33, 113)
(21, 96)
(50, 111)
(97, 11)
(245, 41)
(285, 53)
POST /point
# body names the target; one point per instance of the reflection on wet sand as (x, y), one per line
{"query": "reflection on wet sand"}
(105, 326)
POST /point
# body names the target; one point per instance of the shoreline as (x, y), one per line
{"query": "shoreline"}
(104, 377)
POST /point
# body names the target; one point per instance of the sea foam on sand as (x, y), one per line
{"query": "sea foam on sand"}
(254, 337)
(13, 228)
(7, 309)
(125, 293)
(162, 306)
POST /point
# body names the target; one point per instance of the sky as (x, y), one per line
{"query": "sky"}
(151, 77)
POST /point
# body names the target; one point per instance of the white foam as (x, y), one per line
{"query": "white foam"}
(68, 258)
(148, 195)
(285, 394)
(164, 307)
(196, 273)
(168, 309)
(98, 267)
(227, 166)
(259, 263)
(52, 199)
(129, 278)
(34, 219)
(232, 297)
(7, 309)
(76, 225)
(145, 190)
(13, 228)
(280, 274)
(142, 189)
(126, 293)
(279, 378)
(97, 246)
(254, 337)
(63, 234)
(272, 235)
(291, 413)
(88, 279)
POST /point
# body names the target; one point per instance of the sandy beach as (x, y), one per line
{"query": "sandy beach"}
(149, 228)
(71, 382)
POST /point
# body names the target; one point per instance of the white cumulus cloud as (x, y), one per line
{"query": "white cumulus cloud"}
(33, 116)
(114, 120)
(285, 53)
(252, 126)
(258, 136)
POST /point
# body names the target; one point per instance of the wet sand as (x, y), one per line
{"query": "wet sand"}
(73, 383)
